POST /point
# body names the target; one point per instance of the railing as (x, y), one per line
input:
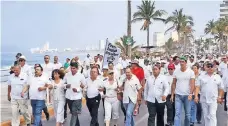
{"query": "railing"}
(4, 75)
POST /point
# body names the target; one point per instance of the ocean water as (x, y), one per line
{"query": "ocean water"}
(8, 58)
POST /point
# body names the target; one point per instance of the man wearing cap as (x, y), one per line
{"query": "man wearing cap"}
(75, 82)
(17, 58)
(25, 68)
(155, 93)
(222, 71)
(211, 87)
(19, 102)
(183, 87)
(169, 104)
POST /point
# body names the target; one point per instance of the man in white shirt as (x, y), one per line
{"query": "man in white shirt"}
(131, 95)
(87, 60)
(191, 61)
(176, 62)
(19, 102)
(37, 86)
(25, 68)
(155, 93)
(94, 86)
(222, 71)
(57, 64)
(75, 82)
(211, 87)
(147, 69)
(169, 105)
(183, 87)
(48, 67)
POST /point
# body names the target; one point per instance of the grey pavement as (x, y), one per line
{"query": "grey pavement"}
(140, 120)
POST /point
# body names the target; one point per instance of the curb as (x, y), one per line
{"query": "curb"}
(51, 114)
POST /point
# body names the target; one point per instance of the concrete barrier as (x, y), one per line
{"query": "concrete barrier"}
(51, 114)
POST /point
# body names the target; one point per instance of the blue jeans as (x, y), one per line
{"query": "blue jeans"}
(37, 106)
(129, 107)
(182, 100)
(193, 111)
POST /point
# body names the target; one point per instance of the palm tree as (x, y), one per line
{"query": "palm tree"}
(210, 27)
(129, 26)
(147, 13)
(169, 46)
(123, 45)
(180, 22)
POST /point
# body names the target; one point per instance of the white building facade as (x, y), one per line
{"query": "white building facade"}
(158, 39)
(224, 9)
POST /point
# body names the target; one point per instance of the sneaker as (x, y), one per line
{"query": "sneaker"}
(191, 124)
(198, 122)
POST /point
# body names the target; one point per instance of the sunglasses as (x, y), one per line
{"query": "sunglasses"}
(21, 60)
(170, 69)
(111, 73)
(210, 65)
(46, 58)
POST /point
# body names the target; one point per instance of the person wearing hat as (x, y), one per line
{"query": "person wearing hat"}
(17, 58)
(25, 68)
(139, 73)
(211, 88)
(104, 77)
(169, 105)
(111, 103)
(183, 87)
(19, 102)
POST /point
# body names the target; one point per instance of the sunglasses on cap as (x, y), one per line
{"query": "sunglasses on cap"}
(21, 60)
(210, 65)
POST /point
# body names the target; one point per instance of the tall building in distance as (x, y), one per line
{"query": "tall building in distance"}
(158, 39)
(101, 45)
(224, 9)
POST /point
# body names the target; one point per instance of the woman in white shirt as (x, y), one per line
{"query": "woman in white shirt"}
(111, 103)
(58, 96)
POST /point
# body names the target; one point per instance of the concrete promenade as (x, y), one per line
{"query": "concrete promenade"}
(140, 120)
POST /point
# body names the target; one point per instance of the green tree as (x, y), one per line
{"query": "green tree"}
(123, 45)
(182, 24)
(148, 14)
(219, 29)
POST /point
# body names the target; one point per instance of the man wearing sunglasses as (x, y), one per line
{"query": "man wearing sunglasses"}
(211, 87)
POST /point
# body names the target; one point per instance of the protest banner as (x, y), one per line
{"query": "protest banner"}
(111, 54)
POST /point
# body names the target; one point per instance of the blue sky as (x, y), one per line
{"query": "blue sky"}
(83, 23)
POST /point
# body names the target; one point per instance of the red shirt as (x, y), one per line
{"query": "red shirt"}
(138, 72)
